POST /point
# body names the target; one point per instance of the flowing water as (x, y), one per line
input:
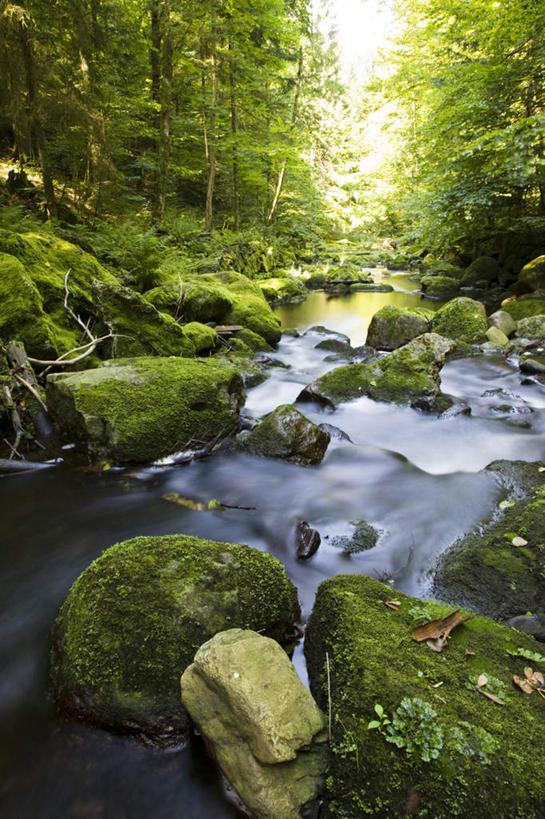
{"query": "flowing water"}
(416, 478)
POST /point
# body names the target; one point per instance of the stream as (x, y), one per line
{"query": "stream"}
(416, 478)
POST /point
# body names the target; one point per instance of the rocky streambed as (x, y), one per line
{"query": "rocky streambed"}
(416, 479)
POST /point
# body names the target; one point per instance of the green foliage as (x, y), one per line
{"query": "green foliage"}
(415, 727)
(493, 685)
(527, 654)
(472, 741)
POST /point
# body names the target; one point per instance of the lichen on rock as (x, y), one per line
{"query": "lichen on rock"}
(392, 326)
(286, 433)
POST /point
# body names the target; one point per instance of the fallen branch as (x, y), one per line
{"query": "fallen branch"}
(61, 361)
(76, 318)
(31, 390)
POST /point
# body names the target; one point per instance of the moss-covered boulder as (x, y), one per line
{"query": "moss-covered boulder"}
(202, 337)
(140, 329)
(483, 270)
(22, 316)
(394, 326)
(259, 721)
(461, 319)
(500, 573)
(408, 375)
(525, 307)
(532, 275)
(45, 261)
(446, 750)
(532, 327)
(134, 619)
(280, 290)
(439, 287)
(286, 433)
(142, 409)
(224, 297)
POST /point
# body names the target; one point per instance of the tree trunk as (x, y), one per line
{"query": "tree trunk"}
(234, 132)
(211, 147)
(34, 118)
(165, 113)
(282, 172)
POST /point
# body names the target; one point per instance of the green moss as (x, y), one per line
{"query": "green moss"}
(461, 319)
(408, 375)
(486, 572)
(252, 341)
(523, 308)
(286, 433)
(203, 338)
(483, 269)
(277, 291)
(134, 619)
(372, 659)
(532, 275)
(145, 408)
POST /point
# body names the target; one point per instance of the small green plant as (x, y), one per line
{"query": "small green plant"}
(471, 741)
(382, 720)
(527, 654)
(414, 727)
(421, 614)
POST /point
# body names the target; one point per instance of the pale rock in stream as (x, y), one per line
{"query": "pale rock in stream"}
(259, 722)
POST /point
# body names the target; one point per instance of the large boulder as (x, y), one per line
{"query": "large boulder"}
(392, 326)
(525, 306)
(500, 573)
(411, 733)
(134, 619)
(408, 375)
(286, 433)
(483, 271)
(22, 316)
(259, 722)
(532, 276)
(140, 329)
(461, 319)
(142, 409)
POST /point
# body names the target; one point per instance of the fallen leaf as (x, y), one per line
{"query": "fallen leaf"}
(519, 541)
(524, 685)
(439, 684)
(540, 679)
(393, 604)
(436, 632)
(469, 653)
(482, 680)
(529, 673)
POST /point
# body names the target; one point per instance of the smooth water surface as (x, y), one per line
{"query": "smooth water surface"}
(417, 478)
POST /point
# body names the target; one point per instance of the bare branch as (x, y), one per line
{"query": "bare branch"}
(70, 311)
(31, 389)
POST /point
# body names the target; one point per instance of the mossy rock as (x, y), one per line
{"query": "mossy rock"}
(532, 275)
(253, 341)
(392, 326)
(491, 575)
(462, 319)
(443, 268)
(503, 321)
(286, 433)
(532, 327)
(134, 619)
(486, 753)
(280, 290)
(142, 409)
(202, 337)
(22, 316)
(483, 270)
(225, 297)
(524, 308)
(139, 327)
(408, 375)
(439, 287)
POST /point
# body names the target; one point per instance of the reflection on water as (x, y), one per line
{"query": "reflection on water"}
(413, 476)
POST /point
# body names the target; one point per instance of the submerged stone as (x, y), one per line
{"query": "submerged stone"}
(286, 433)
(259, 722)
(392, 326)
(133, 620)
(408, 375)
(142, 409)
(447, 750)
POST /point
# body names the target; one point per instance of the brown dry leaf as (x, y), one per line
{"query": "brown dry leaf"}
(438, 630)
(540, 679)
(490, 696)
(393, 604)
(529, 673)
(524, 685)
(482, 680)
(469, 653)
(439, 684)
(519, 541)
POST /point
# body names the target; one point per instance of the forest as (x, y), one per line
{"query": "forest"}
(272, 408)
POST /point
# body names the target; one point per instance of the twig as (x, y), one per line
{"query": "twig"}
(13, 447)
(31, 389)
(180, 301)
(70, 311)
(328, 696)
(61, 360)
